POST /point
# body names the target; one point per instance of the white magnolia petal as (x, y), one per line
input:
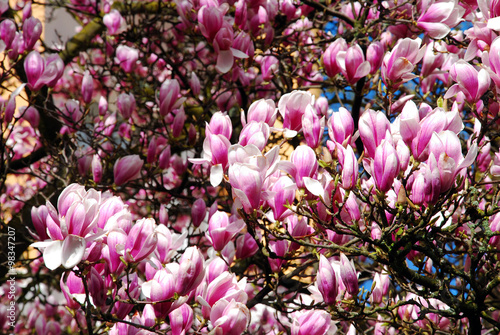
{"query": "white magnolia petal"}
(73, 249)
(469, 159)
(216, 175)
(42, 244)
(225, 61)
(52, 255)
(494, 23)
(238, 54)
(289, 133)
(146, 289)
(314, 186)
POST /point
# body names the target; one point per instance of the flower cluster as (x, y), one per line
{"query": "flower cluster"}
(252, 167)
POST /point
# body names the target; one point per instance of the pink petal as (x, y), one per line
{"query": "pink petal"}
(225, 61)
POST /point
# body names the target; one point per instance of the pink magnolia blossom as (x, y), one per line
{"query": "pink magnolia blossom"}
(221, 230)
(194, 84)
(225, 286)
(349, 163)
(191, 271)
(220, 124)
(263, 110)
(198, 212)
(111, 252)
(127, 168)
(284, 194)
(292, 107)
(341, 126)
(41, 72)
(305, 162)
(348, 275)
(439, 17)
(141, 241)
(126, 104)
(330, 56)
(161, 287)
(352, 64)
(216, 267)
(34, 66)
(7, 32)
(17, 46)
(215, 151)
(181, 319)
(32, 30)
(246, 181)
(97, 168)
(87, 87)
(115, 22)
(398, 64)
(70, 227)
(246, 246)
(178, 123)
(446, 156)
(256, 133)
(73, 290)
(280, 248)
(375, 55)
(469, 81)
(169, 96)
(385, 166)
(269, 66)
(326, 281)
(313, 127)
(312, 322)
(210, 20)
(412, 312)
(127, 57)
(436, 121)
(373, 127)
(229, 318)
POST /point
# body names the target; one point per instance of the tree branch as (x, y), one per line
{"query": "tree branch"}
(330, 11)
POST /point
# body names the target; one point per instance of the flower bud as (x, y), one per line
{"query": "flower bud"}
(198, 212)
(127, 57)
(115, 22)
(97, 168)
(7, 32)
(127, 168)
(169, 96)
(141, 241)
(313, 322)
(330, 56)
(126, 104)
(31, 115)
(385, 166)
(34, 67)
(32, 30)
(348, 275)
(246, 246)
(103, 106)
(194, 84)
(87, 87)
(181, 319)
(326, 280)
(191, 271)
(229, 317)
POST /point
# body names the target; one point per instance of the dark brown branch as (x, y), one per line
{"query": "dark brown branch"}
(330, 11)
(28, 160)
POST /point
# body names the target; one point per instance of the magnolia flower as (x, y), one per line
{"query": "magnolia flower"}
(70, 227)
(469, 81)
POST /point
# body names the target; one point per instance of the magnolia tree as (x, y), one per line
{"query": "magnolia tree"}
(252, 167)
